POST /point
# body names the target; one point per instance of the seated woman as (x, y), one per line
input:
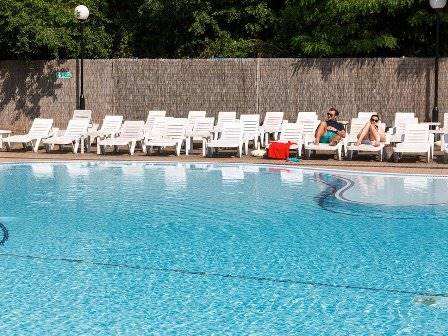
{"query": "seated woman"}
(371, 134)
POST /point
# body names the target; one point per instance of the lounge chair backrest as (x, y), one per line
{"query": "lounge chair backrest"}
(76, 127)
(309, 127)
(306, 116)
(175, 129)
(82, 114)
(226, 117)
(401, 124)
(250, 124)
(152, 115)
(403, 117)
(291, 132)
(203, 125)
(194, 115)
(156, 128)
(445, 121)
(41, 127)
(132, 129)
(111, 124)
(364, 115)
(273, 121)
(231, 131)
(416, 134)
(356, 125)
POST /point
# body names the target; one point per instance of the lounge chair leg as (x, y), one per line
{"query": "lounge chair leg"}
(36, 145)
(75, 147)
(132, 148)
(396, 157)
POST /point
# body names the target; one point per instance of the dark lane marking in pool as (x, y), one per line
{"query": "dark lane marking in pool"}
(226, 276)
(5, 234)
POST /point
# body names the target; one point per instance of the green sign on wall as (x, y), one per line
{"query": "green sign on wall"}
(64, 75)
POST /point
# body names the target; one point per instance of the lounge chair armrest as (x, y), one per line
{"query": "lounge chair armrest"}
(391, 130)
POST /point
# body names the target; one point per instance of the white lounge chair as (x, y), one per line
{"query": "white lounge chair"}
(110, 127)
(222, 118)
(272, 123)
(306, 116)
(292, 132)
(308, 129)
(230, 137)
(76, 130)
(417, 140)
(402, 119)
(131, 133)
(194, 115)
(202, 129)
(310, 146)
(152, 115)
(172, 136)
(251, 130)
(350, 140)
(364, 116)
(40, 129)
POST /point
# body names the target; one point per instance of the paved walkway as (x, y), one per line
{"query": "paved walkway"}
(408, 167)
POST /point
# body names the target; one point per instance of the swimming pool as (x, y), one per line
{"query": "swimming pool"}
(155, 248)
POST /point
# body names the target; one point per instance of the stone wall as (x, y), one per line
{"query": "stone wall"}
(131, 87)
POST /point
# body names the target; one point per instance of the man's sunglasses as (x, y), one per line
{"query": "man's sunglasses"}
(330, 115)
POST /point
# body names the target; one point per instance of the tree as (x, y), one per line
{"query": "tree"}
(33, 29)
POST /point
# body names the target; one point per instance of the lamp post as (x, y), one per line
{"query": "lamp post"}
(437, 5)
(82, 14)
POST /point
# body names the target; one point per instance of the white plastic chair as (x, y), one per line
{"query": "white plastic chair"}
(350, 140)
(194, 115)
(292, 132)
(82, 114)
(306, 116)
(172, 136)
(402, 119)
(364, 116)
(76, 129)
(272, 124)
(40, 129)
(251, 130)
(110, 127)
(309, 129)
(150, 119)
(417, 140)
(230, 137)
(202, 129)
(131, 133)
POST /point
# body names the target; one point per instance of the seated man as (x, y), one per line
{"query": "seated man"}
(371, 134)
(330, 131)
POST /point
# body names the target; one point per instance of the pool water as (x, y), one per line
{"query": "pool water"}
(196, 249)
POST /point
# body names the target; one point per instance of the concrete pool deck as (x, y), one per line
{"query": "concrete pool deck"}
(411, 166)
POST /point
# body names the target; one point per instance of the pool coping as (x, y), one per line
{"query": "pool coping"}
(344, 171)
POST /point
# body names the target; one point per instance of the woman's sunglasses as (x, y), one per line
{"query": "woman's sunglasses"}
(374, 120)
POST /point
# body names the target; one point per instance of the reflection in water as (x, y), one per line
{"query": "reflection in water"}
(42, 170)
(78, 169)
(133, 169)
(291, 176)
(175, 176)
(232, 174)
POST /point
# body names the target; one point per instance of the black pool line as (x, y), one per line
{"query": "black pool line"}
(5, 234)
(227, 276)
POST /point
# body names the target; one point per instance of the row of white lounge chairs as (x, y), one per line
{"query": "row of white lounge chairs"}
(160, 132)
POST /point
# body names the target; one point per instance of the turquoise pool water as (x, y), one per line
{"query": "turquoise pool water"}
(196, 249)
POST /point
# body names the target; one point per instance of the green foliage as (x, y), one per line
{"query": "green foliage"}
(33, 29)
